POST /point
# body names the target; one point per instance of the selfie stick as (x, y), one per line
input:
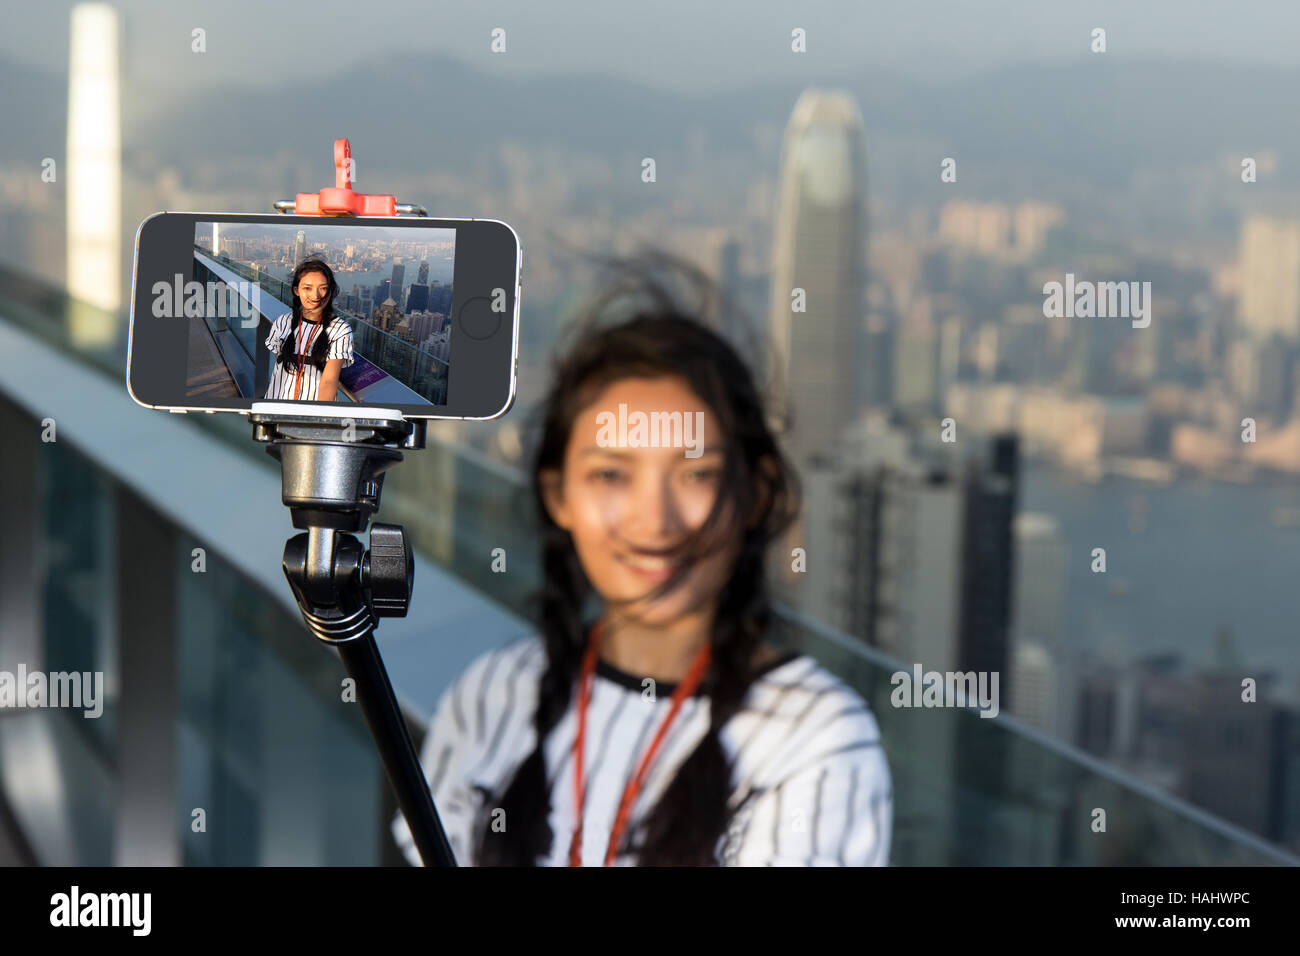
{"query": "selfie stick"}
(332, 464)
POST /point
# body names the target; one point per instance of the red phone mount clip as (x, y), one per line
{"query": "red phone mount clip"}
(341, 200)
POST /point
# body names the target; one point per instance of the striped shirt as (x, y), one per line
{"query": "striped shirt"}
(283, 383)
(808, 771)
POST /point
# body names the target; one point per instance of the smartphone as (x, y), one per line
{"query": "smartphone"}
(409, 313)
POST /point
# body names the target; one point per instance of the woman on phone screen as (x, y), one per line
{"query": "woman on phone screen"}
(311, 344)
(664, 728)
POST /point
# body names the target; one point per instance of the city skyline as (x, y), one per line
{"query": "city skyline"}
(1045, 420)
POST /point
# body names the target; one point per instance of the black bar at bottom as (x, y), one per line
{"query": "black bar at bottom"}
(396, 749)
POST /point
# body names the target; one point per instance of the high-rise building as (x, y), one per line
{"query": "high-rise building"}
(818, 265)
(991, 484)
(1038, 623)
(1269, 253)
(1259, 372)
(94, 172)
(422, 276)
(386, 315)
(417, 298)
(915, 546)
(399, 274)
(1040, 578)
(883, 526)
(422, 323)
(876, 373)
(1033, 675)
(439, 298)
(916, 362)
(908, 549)
(299, 248)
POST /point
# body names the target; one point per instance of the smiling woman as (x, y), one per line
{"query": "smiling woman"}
(666, 730)
(311, 344)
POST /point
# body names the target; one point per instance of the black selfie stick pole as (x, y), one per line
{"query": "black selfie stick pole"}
(332, 471)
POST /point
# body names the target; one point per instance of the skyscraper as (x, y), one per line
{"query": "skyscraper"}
(399, 274)
(990, 485)
(417, 298)
(299, 248)
(387, 315)
(820, 241)
(1270, 277)
(94, 170)
(422, 276)
(1038, 624)
(883, 535)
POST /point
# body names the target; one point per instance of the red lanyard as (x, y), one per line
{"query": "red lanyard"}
(298, 374)
(633, 786)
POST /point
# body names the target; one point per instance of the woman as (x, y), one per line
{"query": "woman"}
(312, 344)
(668, 727)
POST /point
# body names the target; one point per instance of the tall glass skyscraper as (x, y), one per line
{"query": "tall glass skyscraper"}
(94, 169)
(820, 240)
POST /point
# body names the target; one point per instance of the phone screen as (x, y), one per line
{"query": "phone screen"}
(417, 315)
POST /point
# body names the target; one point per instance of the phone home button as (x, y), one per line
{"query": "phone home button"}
(477, 320)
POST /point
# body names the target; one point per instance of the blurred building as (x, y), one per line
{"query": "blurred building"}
(1078, 431)
(94, 170)
(982, 227)
(909, 548)
(1189, 731)
(1034, 677)
(916, 362)
(1033, 222)
(1270, 277)
(875, 377)
(819, 248)
(1259, 370)
(990, 483)
(1038, 619)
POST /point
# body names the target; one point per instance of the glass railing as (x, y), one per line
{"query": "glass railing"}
(264, 745)
(269, 766)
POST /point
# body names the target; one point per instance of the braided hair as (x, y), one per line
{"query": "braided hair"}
(692, 815)
(287, 356)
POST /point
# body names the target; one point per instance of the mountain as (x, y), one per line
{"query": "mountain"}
(1092, 122)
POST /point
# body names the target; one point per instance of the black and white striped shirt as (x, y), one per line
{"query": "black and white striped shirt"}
(809, 772)
(284, 383)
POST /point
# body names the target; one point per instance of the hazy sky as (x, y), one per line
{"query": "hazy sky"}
(683, 45)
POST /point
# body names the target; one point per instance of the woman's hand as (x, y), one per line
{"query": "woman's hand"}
(329, 381)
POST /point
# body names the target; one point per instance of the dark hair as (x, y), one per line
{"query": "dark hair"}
(321, 347)
(661, 339)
